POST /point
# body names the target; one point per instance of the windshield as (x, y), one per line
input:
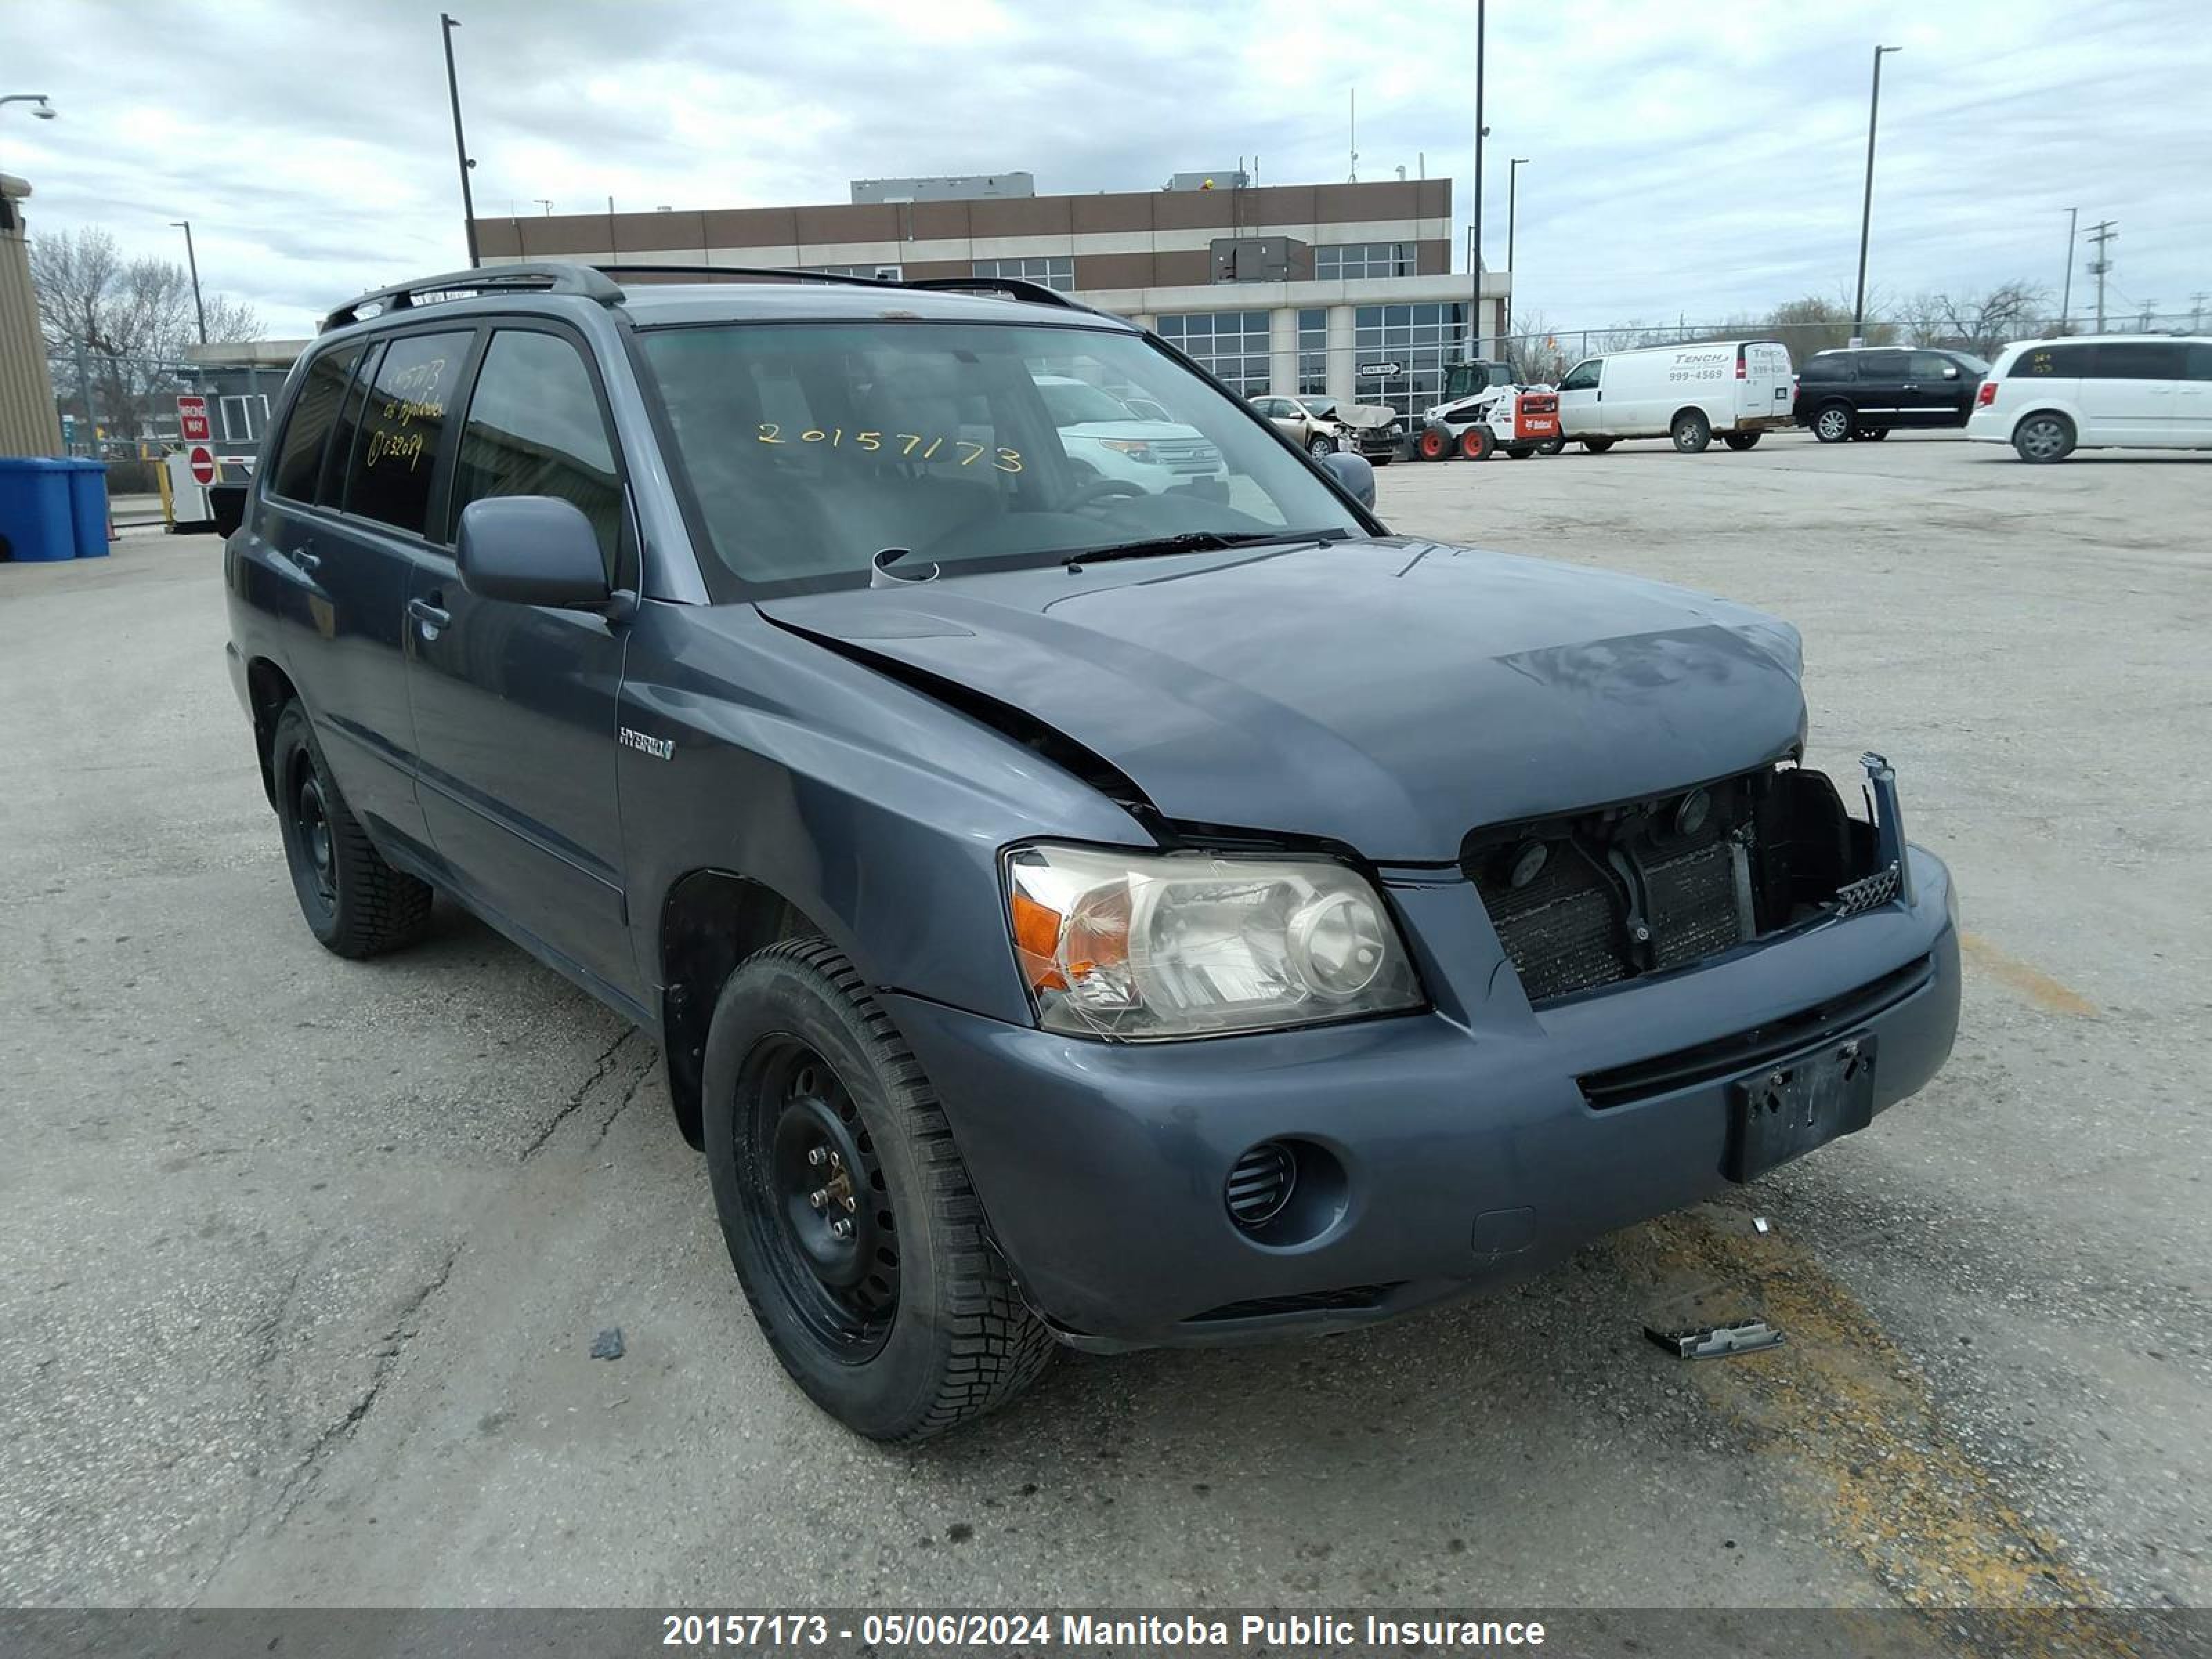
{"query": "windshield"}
(810, 447)
(1321, 407)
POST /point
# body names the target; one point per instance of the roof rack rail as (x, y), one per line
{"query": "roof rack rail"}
(1014, 287)
(777, 273)
(553, 277)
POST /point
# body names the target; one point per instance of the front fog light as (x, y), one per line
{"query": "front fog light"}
(1139, 946)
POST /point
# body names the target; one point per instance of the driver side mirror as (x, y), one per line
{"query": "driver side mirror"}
(1354, 473)
(1950, 371)
(531, 550)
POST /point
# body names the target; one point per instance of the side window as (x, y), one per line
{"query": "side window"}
(308, 428)
(1881, 365)
(2197, 365)
(2065, 362)
(396, 454)
(1928, 366)
(1825, 370)
(331, 482)
(534, 429)
(2139, 360)
(1583, 377)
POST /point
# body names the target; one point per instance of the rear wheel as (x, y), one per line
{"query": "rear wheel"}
(1435, 443)
(1476, 443)
(1741, 439)
(1873, 434)
(848, 1212)
(2044, 437)
(1831, 422)
(355, 903)
(1551, 445)
(1597, 446)
(1691, 432)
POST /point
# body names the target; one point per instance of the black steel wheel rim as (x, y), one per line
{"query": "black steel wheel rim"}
(816, 1204)
(309, 810)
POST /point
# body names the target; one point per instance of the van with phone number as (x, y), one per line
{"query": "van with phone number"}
(1735, 390)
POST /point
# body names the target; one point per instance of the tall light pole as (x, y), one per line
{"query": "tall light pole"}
(447, 24)
(1865, 213)
(192, 260)
(2066, 295)
(1512, 207)
(1475, 232)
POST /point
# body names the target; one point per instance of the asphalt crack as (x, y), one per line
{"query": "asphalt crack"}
(574, 1102)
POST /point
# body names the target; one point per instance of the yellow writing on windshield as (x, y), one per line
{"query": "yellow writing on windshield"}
(909, 445)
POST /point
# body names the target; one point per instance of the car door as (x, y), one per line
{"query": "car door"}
(1936, 391)
(1578, 398)
(2131, 395)
(355, 570)
(2193, 396)
(515, 705)
(1286, 416)
(1880, 397)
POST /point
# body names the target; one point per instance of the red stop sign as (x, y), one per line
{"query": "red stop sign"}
(202, 465)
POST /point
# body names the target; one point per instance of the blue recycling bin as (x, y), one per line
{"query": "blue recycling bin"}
(88, 489)
(35, 520)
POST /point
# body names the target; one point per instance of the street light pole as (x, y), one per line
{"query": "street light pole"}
(447, 24)
(193, 261)
(1475, 232)
(1512, 208)
(2066, 299)
(1865, 213)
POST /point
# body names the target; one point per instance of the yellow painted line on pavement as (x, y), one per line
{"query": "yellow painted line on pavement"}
(2038, 987)
(1858, 1428)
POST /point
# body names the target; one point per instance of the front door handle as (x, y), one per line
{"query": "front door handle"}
(305, 562)
(432, 619)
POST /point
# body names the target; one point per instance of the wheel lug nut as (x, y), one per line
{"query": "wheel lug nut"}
(814, 1156)
(843, 1228)
(818, 1198)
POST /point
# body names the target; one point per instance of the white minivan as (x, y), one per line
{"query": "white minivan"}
(2049, 397)
(1737, 389)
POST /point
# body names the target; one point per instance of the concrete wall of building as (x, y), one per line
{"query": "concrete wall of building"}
(28, 425)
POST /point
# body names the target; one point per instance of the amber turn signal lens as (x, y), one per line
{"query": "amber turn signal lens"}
(1037, 944)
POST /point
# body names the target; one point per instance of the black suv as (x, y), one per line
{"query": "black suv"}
(1107, 908)
(1861, 391)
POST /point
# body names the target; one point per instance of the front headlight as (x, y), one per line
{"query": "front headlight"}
(1138, 945)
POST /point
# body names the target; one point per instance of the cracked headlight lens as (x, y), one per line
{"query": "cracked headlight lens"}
(1136, 945)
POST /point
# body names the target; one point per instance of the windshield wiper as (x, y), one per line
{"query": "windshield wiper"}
(1191, 541)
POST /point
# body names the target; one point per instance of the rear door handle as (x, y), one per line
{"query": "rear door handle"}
(306, 562)
(432, 620)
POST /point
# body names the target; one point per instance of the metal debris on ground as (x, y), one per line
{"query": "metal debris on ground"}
(608, 1344)
(1716, 1342)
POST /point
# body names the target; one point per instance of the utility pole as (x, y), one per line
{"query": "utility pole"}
(1512, 209)
(2196, 311)
(449, 24)
(1474, 232)
(2101, 233)
(1866, 212)
(2149, 305)
(192, 260)
(2066, 299)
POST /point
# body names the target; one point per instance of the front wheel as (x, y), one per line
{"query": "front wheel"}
(355, 903)
(2045, 437)
(1435, 443)
(1740, 441)
(1321, 448)
(1597, 446)
(1519, 452)
(1691, 432)
(1551, 445)
(846, 1209)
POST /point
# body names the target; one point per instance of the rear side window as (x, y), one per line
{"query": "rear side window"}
(2198, 362)
(308, 428)
(2068, 363)
(2139, 360)
(534, 428)
(1825, 370)
(330, 483)
(1881, 365)
(396, 451)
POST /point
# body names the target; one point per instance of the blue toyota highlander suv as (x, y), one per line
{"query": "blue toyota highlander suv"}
(1072, 909)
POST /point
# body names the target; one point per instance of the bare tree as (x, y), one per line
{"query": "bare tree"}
(1982, 323)
(130, 319)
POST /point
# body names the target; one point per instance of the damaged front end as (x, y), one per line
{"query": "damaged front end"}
(1586, 900)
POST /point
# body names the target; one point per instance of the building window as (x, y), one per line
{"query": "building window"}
(1333, 260)
(243, 416)
(878, 273)
(1313, 352)
(1232, 345)
(1054, 270)
(1422, 340)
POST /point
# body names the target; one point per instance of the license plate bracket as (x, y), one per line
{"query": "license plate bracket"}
(1786, 1109)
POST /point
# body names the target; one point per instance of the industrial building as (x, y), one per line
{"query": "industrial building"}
(1347, 290)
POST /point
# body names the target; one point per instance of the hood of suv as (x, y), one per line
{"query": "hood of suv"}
(1390, 695)
(1133, 430)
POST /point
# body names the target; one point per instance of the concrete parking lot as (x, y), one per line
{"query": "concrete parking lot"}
(302, 1262)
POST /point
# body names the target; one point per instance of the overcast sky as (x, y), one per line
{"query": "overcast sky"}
(1685, 158)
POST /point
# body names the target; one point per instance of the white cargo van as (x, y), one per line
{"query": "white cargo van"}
(1736, 389)
(2049, 397)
